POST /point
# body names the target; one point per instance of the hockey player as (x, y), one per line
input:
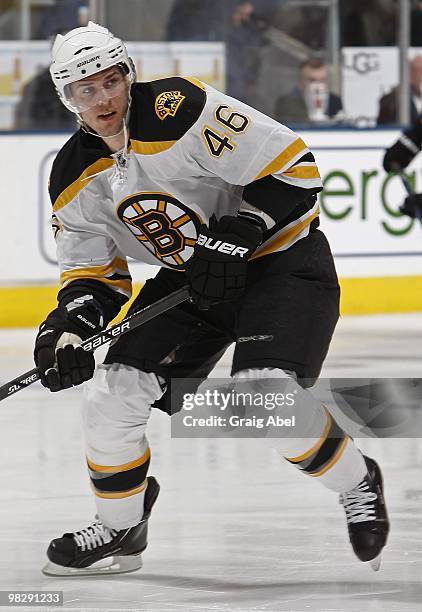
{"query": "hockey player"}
(398, 157)
(223, 198)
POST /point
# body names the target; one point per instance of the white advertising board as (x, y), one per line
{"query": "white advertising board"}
(367, 74)
(359, 207)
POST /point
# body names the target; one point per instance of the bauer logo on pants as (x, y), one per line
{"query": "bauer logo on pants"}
(161, 224)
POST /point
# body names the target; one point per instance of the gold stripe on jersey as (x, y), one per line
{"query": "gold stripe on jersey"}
(117, 265)
(302, 172)
(87, 175)
(286, 156)
(120, 494)
(195, 82)
(287, 235)
(101, 273)
(151, 148)
(124, 467)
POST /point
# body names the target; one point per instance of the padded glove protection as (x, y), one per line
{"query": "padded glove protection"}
(400, 155)
(216, 272)
(61, 362)
(412, 206)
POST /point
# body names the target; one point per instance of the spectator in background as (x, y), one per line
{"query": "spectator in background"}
(196, 20)
(311, 99)
(368, 22)
(238, 23)
(389, 103)
(84, 15)
(40, 108)
(416, 25)
(307, 24)
(63, 15)
(244, 44)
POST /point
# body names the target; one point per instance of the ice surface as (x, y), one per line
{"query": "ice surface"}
(234, 529)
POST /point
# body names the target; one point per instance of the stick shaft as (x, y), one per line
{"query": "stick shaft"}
(406, 183)
(91, 344)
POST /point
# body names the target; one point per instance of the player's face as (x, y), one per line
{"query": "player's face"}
(102, 100)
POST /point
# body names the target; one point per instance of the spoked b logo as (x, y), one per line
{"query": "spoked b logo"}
(163, 225)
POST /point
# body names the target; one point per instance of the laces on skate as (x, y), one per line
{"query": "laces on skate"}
(358, 504)
(366, 516)
(94, 535)
(99, 550)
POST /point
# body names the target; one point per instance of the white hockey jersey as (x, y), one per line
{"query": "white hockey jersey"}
(193, 152)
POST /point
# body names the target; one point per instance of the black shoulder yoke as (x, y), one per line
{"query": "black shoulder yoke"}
(164, 110)
(80, 152)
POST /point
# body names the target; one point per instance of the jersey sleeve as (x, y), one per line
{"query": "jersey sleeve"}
(84, 255)
(247, 148)
(242, 145)
(87, 256)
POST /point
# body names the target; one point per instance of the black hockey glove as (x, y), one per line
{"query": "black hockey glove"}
(412, 206)
(216, 272)
(61, 362)
(400, 155)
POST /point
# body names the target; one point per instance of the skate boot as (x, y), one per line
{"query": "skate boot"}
(366, 515)
(98, 550)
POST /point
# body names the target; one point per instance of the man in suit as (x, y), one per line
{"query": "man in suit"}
(388, 104)
(311, 99)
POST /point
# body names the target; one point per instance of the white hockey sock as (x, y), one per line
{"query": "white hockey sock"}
(328, 454)
(116, 410)
(317, 446)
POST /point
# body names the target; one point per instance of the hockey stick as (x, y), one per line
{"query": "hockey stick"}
(406, 183)
(91, 344)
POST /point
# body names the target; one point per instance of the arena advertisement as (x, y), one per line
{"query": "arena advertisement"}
(359, 207)
(374, 70)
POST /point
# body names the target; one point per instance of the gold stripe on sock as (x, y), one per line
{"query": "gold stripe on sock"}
(121, 494)
(120, 468)
(334, 460)
(316, 446)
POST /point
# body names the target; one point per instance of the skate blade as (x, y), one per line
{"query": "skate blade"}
(111, 565)
(375, 563)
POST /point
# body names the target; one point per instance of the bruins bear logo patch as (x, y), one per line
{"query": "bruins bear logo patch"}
(167, 104)
(164, 226)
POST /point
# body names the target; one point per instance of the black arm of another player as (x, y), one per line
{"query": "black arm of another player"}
(401, 153)
(412, 206)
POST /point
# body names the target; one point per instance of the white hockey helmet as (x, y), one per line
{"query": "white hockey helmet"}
(83, 52)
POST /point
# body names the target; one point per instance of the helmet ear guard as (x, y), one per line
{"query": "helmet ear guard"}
(83, 52)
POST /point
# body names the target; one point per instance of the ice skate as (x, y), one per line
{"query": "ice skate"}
(97, 550)
(366, 515)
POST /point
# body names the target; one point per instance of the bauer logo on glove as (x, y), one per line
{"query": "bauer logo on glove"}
(217, 270)
(223, 247)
